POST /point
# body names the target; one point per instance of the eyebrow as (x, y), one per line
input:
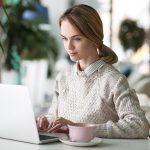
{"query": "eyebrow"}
(71, 36)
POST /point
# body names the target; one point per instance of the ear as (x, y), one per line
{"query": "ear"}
(95, 45)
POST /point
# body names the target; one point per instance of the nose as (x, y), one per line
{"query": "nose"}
(70, 45)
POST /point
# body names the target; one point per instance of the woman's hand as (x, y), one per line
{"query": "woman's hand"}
(59, 125)
(42, 124)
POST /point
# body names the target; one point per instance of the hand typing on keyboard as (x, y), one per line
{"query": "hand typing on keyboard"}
(58, 125)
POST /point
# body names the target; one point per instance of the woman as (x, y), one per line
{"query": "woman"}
(92, 91)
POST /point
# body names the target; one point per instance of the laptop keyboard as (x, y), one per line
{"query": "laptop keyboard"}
(46, 137)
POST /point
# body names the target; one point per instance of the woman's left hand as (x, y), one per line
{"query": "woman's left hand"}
(60, 125)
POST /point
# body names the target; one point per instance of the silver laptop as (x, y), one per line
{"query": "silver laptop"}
(17, 120)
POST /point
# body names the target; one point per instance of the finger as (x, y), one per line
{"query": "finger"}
(64, 121)
(50, 126)
(40, 122)
(54, 123)
(39, 129)
(45, 125)
(61, 120)
(43, 122)
(60, 130)
(44, 119)
(57, 126)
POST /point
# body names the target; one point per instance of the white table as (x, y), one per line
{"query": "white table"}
(107, 144)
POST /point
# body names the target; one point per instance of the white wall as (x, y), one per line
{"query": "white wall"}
(56, 8)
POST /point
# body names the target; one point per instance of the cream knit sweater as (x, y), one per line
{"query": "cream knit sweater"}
(104, 98)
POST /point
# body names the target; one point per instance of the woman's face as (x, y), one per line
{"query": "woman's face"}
(77, 46)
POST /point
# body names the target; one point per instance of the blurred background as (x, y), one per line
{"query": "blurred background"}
(32, 53)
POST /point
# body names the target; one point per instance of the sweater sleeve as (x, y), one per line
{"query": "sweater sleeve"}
(132, 122)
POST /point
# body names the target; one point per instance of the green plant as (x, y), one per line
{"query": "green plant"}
(25, 40)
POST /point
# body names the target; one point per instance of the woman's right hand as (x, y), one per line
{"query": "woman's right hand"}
(58, 125)
(42, 124)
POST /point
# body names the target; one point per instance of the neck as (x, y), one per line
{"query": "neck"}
(84, 64)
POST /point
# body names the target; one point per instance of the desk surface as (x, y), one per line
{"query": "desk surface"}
(107, 144)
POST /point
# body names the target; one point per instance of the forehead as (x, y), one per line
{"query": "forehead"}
(68, 29)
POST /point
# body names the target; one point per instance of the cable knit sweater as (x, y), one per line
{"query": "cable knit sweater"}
(102, 97)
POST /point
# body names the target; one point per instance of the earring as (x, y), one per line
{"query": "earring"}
(98, 52)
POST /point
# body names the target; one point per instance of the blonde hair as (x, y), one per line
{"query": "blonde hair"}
(87, 20)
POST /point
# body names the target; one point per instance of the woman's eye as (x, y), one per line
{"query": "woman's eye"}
(77, 39)
(63, 38)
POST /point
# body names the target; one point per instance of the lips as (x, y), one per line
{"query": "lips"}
(72, 54)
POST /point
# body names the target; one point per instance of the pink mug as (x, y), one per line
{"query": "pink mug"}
(82, 132)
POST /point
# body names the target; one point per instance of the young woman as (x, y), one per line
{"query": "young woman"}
(92, 90)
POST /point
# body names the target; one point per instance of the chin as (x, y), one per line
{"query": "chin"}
(74, 59)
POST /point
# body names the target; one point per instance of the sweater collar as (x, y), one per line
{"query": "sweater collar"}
(90, 69)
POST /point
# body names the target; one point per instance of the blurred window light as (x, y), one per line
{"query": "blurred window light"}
(41, 13)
